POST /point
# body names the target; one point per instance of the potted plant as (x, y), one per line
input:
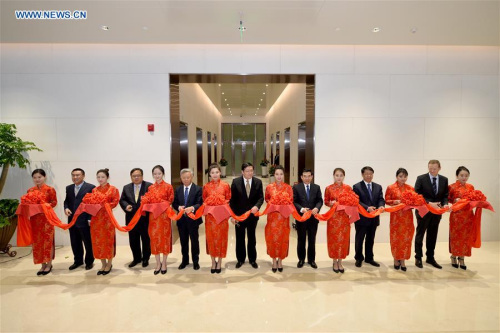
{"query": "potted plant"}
(12, 149)
(223, 164)
(271, 174)
(263, 165)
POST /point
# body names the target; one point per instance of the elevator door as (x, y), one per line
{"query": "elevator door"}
(183, 139)
(243, 152)
(199, 156)
(287, 155)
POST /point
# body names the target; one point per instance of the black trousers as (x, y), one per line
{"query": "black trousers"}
(138, 233)
(429, 223)
(189, 230)
(81, 237)
(247, 227)
(366, 234)
(307, 229)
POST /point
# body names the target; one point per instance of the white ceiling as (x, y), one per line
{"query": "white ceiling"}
(243, 99)
(267, 22)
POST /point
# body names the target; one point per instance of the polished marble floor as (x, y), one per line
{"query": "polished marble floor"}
(365, 299)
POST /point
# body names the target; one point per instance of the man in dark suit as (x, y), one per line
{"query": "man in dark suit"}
(80, 232)
(371, 197)
(130, 202)
(246, 194)
(307, 196)
(277, 157)
(188, 197)
(434, 189)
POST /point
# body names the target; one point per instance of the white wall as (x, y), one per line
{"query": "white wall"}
(385, 106)
(197, 110)
(287, 112)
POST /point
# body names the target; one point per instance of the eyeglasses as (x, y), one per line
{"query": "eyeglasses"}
(136, 176)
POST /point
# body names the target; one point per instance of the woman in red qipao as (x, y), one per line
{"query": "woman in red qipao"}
(401, 225)
(42, 230)
(338, 228)
(216, 193)
(461, 220)
(277, 229)
(102, 230)
(160, 228)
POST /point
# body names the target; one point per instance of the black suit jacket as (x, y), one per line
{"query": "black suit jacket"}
(128, 198)
(71, 202)
(423, 186)
(239, 201)
(300, 198)
(376, 201)
(195, 199)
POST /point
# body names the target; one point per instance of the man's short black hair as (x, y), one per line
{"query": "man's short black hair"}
(246, 165)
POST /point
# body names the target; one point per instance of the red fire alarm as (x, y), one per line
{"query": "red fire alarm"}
(151, 127)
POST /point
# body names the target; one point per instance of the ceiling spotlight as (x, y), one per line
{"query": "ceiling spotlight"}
(225, 99)
(219, 84)
(263, 93)
(222, 93)
(104, 27)
(227, 104)
(413, 30)
(257, 108)
(145, 28)
(376, 29)
(337, 29)
(259, 104)
(267, 85)
(261, 99)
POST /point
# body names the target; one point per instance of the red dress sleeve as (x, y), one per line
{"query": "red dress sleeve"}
(52, 197)
(170, 193)
(268, 192)
(328, 196)
(114, 197)
(390, 196)
(227, 193)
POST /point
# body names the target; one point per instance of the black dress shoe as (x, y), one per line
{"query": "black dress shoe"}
(218, 270)
(39, 273)
(133, 264)
(403, 268)
(313, 264)
(254, 265)
(163, 272)
(300, 264)
(433, 263)
(47, 272)
(396, 267)
(341, 270)
(74, 266)
(196, 266)
(418, 263)
(107, 272)
(461, 262)
(89, 267)
(274, 270)
(182, 265)
(212, 270)
(373, 263)
(239, 264)
(280, 269)
(335, 270)
(454, 262)
(100, 272)
(145, 263)
(358, 263)
(156, 272)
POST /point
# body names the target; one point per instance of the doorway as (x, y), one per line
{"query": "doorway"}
(248, 150)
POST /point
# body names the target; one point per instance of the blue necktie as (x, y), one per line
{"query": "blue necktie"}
(307, 191)
(434, 185)
(370, 190)
(186, 194)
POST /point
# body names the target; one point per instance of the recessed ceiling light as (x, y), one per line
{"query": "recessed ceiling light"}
(225, 99)
(259, 104)
(376, 29)
(337, 29)
(257, 108)
(227, 104)
(219, 84)
(263, 93)
(267, 85)
(145, 28)
(104, 27)
(261, 99)
(413, 30)
(222, 93)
